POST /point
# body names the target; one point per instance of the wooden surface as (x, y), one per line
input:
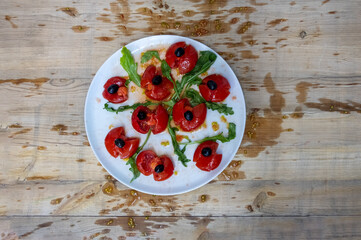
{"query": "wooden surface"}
(297, 174)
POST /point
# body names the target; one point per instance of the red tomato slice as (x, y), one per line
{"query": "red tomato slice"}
(215, 91)
(144, 119)
(186, 59)
(168, 169)
(161, 118)
(156, 90)
(198, 113)
(205, 162)
(117, 93)
(129, 147)
(149, 163)
(144, 161)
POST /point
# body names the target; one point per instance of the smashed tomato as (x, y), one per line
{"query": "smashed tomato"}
(187, 117)
(144, 119)
(115, 90)
(181, 56)
(214, 88)
(118, 144)
(156, 86)
(149, 163)
(206, 157)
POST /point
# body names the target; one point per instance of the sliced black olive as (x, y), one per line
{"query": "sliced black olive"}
(212, 85)
(159, 168)
(179, 52)
(157, 80)
(119, 142)
(142, 115)
(113, 88)
(188, 115)
(206, 151)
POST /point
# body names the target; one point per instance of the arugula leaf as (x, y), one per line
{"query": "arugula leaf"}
(205, 61)
(127, 107)
(131, 161)
(170, 103)
(149, 55)
(197, 81)
(127, 62)
(166, 71)
(196, 98)
(179, 152)
(219, 137)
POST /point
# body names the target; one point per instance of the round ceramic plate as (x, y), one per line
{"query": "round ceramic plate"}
(98, 122)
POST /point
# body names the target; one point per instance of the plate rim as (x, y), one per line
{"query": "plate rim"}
(243, 109)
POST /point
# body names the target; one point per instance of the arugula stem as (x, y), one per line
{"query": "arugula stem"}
(220, 137)
(127, 107)
(146, 140)
(166, 71)
(179, 152)
(132, 160)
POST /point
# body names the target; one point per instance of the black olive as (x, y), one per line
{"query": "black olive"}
(157, 80)
(142, 115)
(113, 88)
(159, 168)
(179, 52)
(188, 115)
(119, 142)
(212, 85)
(206, 151)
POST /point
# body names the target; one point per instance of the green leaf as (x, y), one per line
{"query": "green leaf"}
(127, 107)
(127, 62)
(166, 71)
(196, 98)
(170, 103)
(179, 152)
(132, 160)
(219, 137)
(133, 168)
(205, 61)
(149, 55)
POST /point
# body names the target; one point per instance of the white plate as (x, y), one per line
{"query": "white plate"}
(98, 120)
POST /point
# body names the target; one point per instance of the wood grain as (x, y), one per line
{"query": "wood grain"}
(296, 174)
(219, 198)
(173, 228)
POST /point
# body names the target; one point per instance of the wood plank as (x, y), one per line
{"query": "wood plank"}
(326, 227)
(37, 132)
(238, 198)
(301, 57)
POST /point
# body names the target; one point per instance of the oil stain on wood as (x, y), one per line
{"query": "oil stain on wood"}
(73, 12)
(105, 39)
(275, 22)
(79, 198)
(43, 225)
(38, 82)
(60, 128)
(160, 19)
(260, 200)
(232, 172)
(8, 18)
(34, 178)
(255, 3)
(144, 225)
(132, 198)
(23, 131)
(80, 28)
(262, 131)
(330, 105)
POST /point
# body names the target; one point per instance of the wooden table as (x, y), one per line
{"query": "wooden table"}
(297, 174)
